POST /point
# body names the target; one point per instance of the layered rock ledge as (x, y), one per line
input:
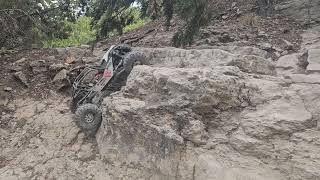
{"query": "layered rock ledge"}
(211, 114)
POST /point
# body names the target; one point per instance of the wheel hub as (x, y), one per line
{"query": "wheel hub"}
(89, 118)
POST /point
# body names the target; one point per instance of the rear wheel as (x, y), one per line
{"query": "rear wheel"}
(89, 117)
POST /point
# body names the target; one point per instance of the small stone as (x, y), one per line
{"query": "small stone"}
(288, 45)
(15, 68)
(8, 89)
(70, 60)
(56, 67)
(21, 60)
(22, 78)
(303, 59)
(61, 80)
(239, 12)
(225, 38)
(244, 36)
(51, 58)
(90, 59)
(262, 34)
(85, 46)
(11, 107)
(284, 53)
(265, 46)
(62, 75)
(224, 17)
(61, 51)
(277, 49)
(38, 66)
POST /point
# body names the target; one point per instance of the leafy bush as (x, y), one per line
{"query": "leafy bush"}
(80, 33)
(137, 24)
(137, 21)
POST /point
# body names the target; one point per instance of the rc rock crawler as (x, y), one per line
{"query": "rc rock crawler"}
(96, 82)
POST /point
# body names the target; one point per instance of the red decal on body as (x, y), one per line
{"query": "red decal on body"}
(107, 73)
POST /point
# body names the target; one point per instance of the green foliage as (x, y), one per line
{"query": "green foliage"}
(22, 21)
(195, 13)
(110, 15)
(56, 23)
(137, 21)
(81, 33)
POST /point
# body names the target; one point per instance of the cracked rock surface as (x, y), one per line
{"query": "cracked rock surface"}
(41, 141)
(212, 114)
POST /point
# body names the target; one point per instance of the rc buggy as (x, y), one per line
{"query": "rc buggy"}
(98, 81)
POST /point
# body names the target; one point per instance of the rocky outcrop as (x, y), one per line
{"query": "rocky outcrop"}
(211, 114)
(41, 141)
(305, 11)
(247, 59)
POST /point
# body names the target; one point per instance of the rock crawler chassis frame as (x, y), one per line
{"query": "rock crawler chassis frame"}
(96, 82)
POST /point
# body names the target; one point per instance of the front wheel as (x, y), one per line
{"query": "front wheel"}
(89, 117)
(134, 58)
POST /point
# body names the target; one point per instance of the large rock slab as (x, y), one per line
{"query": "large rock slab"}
(241, 50)
(185, 122)
(287, 64)
(282, 117)
(210, 58)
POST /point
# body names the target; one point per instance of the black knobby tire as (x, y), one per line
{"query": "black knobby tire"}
(133, 58)
(89, 117)
(124, 47)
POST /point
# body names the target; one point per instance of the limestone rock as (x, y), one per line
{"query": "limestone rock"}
(314, 60)
(20, 76)
(61, 79)
(305, 11)
(38, 66)
(182, 106)
(225, 38)
(288, 45)
(56, 67)
(287, 64)
(240, 50)
(8, 89)
(88, 60)
(204, 109)
(266, 46)
(22, 60)
(254, 64)
(279, 117)
(180, 58)
(303, 78)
